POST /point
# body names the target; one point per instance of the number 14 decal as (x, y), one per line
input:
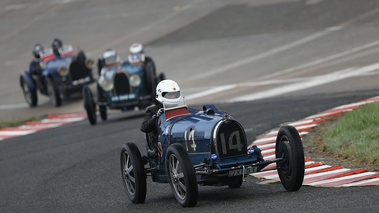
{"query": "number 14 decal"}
(237, 145)
(190, 137)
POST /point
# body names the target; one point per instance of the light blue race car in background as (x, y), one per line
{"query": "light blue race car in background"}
(122, 87)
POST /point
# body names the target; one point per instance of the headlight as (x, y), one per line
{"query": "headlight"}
(135, 80)
(89, 63)
(107, 85)
(63, 71)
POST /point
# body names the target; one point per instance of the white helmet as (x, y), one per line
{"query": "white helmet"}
(136, 53)
(111, 57)
(168, 92)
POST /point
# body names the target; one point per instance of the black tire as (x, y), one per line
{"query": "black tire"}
(29, 94)
(161, 77)
(89, 105)
(150, 77)
(235, 182)
(290, 148)
(103, 112)
(53, 93)
(101, 97)
(133, 173)
(100, 65)
(182, 176)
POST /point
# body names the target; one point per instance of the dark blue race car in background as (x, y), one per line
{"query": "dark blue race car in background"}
(59, 76)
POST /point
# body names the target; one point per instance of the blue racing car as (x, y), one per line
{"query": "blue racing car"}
(122, 86)
(205, 147)
(59, 73)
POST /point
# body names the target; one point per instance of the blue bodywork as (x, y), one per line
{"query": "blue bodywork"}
(215, 142)
(51, 69)
(133, 95)
(77, 73)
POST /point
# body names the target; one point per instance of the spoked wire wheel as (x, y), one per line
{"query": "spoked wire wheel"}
(29, 94)
(133, 173)
(182, 176)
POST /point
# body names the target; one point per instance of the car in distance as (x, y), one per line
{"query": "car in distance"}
(122, 87)
(60, 76)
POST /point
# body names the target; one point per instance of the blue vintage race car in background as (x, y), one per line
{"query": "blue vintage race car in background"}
(205, 147)
(60, 75)
(122, 87)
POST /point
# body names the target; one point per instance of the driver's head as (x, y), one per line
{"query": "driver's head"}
(111, 58)
(136, 53)
(168, 93)
(56, 45)
(37, 50)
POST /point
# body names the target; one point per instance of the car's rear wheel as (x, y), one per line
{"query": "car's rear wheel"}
(89, 105)
(103, 112)
(29, 94)
(150, 78)
(133, 173)
(290, 148)
(182, 176)
(235, 182)
(53, 93)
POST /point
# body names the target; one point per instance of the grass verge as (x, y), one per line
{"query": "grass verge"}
(350, 139)
(18, 121)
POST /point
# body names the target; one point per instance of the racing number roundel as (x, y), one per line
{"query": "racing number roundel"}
(231, 139)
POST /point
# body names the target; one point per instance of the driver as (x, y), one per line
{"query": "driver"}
(168, 93)
(56, 45)
(35, 64)
(108, 60)
(111, 59)
(136, 54)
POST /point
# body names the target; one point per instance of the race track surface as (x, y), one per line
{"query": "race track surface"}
(266, 62)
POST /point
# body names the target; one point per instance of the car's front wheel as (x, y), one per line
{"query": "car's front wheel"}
(290, 148)
(133, 173)
(89, 105)
(182, 176)
(103, 112)
(53, 92)
(29, 94)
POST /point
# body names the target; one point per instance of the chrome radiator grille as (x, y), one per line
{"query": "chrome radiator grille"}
(231, 139)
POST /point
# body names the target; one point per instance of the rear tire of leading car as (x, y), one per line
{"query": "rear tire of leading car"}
(290, 148)
(182, 176)
(53, 92)
(133, 172)
(235, 182)
(29, 94)
(89, 105)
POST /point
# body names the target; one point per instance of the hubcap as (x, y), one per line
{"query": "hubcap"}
(177, 177)
(129, 178)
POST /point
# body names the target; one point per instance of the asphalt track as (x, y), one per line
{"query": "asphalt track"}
(266, 62)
